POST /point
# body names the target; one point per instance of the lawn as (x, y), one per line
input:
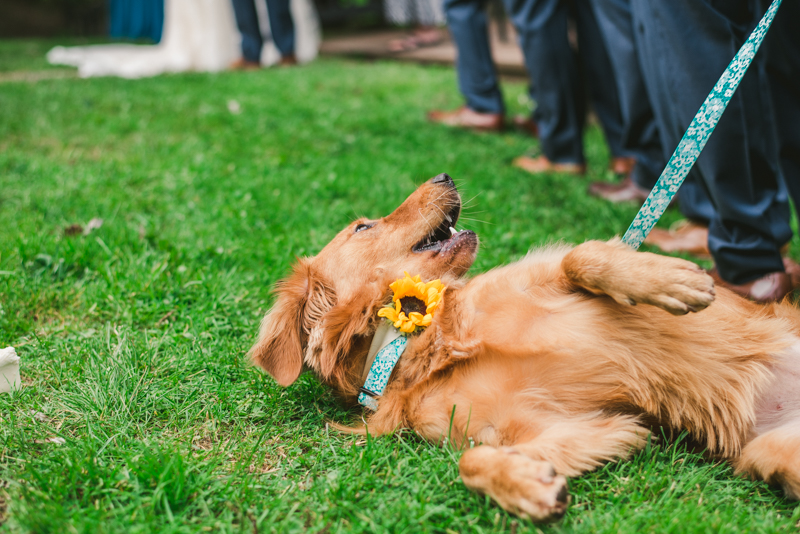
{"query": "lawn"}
(140, 411)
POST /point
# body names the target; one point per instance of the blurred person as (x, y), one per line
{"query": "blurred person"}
(640, 135)
(133, 19)
(557, 80)
(281, 27)
(424, 16)
(735, 188)
(198, 35)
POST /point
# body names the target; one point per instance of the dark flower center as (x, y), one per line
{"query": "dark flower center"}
(412, 304)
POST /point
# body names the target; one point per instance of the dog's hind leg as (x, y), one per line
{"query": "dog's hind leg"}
(528, 478)
(773, 454)
(629, 277)
(775, 458)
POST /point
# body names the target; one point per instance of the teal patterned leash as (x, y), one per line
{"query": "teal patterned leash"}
(697, 135)
(380, 371)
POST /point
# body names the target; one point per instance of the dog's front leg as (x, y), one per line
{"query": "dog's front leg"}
(631, 277)
(529, 478)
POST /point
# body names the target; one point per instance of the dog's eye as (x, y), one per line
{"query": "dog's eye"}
(361, 227)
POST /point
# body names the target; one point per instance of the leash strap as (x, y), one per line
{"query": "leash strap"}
(380, 371)
(697, 135)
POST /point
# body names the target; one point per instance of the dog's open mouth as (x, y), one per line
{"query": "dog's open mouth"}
(443, 236)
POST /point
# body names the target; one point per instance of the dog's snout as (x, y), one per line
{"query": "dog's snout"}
(443, 179)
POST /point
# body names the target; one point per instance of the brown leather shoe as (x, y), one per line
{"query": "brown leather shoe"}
(621, 165)
(772, 287)
(542, 164)
(793, 270)
(527, 125)
(245, 64)
(289, 60)
(464, 117)
(624, 191)
(686, 237)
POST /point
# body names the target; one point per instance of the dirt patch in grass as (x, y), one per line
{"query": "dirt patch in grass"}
(37, 75)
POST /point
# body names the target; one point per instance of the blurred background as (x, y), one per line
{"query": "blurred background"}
(143, 19)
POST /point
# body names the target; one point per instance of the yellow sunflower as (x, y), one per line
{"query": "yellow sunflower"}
(414, 301)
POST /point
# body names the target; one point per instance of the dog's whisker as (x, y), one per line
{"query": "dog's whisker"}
(476, 220)
(424, 218)
(443, 193)
(472, 199)
(446, 216)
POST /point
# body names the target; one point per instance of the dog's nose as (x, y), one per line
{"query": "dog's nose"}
(442, 179)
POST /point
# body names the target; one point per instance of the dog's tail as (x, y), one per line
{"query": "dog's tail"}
(361, 430)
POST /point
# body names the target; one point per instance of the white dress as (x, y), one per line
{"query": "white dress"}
(199, 35)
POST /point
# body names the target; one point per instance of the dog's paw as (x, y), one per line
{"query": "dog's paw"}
(528, 488)
(675, 285)
(682, 287)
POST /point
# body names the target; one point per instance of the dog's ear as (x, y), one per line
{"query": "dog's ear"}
(342, 324)
(284, 330)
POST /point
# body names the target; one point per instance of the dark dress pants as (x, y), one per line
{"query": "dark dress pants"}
(640, 134)
(280, 23)
(782, 45)
(468, 23)
(684, 46)
(556, 73)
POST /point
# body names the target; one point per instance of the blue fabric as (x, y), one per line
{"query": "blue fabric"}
(697, 134)
(782, 46)
(640, 134)
(557, 74)
(684, 46)
(280, 22)
(468, 24)
(136, 19)
(597, 70)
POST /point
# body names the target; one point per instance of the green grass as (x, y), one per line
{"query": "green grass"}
(133, 337)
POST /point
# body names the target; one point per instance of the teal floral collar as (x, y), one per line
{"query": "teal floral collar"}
(384, 353)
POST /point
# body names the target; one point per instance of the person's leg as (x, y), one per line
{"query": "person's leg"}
(599, 73)
(640, 133)
(687, 44)
(556, 85)
(247, 22)
(649, 41)
(782, 45)
(281, 25)
(397, 12)
(477, 79)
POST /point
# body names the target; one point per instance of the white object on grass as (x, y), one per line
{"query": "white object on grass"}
(9, 370)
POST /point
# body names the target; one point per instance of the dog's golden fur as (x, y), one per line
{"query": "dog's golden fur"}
(551, 365)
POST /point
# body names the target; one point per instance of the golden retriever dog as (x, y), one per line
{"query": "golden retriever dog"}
(548, 367)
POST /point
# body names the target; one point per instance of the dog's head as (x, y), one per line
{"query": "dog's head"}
(327, 307)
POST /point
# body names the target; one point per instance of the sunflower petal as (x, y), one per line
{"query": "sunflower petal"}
(388, 313)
